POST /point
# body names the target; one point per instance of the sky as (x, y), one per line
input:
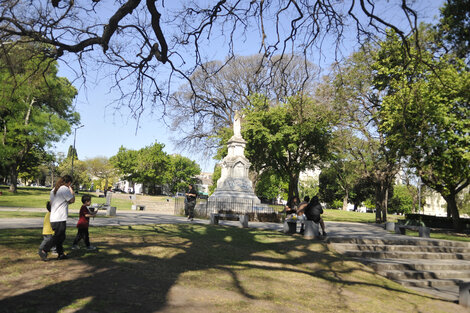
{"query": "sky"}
(105, 129)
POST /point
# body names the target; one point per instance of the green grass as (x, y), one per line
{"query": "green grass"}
(38, 197)
(444, 236)
(168, 268)
(356, 217)
(25, 214)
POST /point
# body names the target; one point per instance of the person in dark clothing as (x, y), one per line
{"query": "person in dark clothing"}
(313, 213)
(191, 196)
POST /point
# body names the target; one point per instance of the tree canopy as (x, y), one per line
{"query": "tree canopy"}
(35, 107)
(425, 116)
(287, 137)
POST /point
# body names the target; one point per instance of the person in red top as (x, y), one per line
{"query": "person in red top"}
(83, 224)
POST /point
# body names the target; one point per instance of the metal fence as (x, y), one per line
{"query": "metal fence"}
(256, 212)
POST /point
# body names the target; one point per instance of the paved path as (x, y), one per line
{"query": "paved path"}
(148, 217)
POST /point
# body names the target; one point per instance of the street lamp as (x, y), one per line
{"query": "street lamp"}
(74, 139)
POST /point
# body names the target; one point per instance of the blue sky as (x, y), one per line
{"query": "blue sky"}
(106, 129)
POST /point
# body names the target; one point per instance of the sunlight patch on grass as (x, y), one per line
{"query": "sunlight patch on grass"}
(76, 304)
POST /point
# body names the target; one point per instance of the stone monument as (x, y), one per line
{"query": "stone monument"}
(234, 186)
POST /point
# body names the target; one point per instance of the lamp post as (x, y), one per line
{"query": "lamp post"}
(74, 139)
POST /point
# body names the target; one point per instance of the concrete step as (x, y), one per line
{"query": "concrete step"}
(432, 283)
(411, 274)
(342, 247)
(399, 240)
(382, 265)
(407, 255)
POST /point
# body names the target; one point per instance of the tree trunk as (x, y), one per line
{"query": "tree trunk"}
(345, 200)
(380, 215)
(293, 187)
(13, 180)
(452, 208)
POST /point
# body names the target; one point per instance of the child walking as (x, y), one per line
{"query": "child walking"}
(47, 232)
(83, 224)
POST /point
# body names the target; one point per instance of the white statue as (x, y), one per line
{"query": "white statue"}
(237, 125)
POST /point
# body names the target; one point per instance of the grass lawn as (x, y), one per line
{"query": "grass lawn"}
(196, 268)
(38, 197)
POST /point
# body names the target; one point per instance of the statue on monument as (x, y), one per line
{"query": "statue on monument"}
(234, 183)
(237, 125)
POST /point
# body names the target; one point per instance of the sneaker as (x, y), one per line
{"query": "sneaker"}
(43, 255)
(75, 247)
(54, 250)
(91, 248)
(62, 257)
(324, 233)
(191, 219)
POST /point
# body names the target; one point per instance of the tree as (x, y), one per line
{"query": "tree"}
(125, 161)
(270, 185)
(146, 40)
(148, 165)
(35, 107)
(102, 168)
(181, 171)
(351, 91)
(207, 105)
(426, 117)
(287, 138)
(454, 27)
(403, 199)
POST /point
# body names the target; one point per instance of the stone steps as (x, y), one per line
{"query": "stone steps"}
(407, 255)
(434, 266)
(400, 248)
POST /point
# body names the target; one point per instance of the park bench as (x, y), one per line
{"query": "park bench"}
(243, 218)
(311, 229)
(422, 230)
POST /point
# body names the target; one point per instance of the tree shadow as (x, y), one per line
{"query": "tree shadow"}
(123, 277)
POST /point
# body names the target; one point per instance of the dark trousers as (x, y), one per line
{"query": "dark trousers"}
(82, 234)
(58, 238)
(189, 208)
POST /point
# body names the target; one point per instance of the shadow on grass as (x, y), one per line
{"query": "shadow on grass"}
(125, 278)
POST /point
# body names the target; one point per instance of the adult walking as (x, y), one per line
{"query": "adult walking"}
(61, 196)
(191, 196)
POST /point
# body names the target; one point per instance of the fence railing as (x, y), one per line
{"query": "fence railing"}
(256, 212)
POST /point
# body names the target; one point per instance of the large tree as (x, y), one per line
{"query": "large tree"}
(200, 111)
(287, 138)
(148, 165)
(181, 171)
(351, 91)
(151, 43)
(35, 107)
(426, 116)
(102, 168)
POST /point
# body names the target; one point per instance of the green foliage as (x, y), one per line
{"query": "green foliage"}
(402, 200)
(102, 168)
(215, 177)
(152, 166)
(286, 138)
(269, 186)
(308, 187)
(426, 115)
(181, 172)
(454, 27)
(35, 107)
